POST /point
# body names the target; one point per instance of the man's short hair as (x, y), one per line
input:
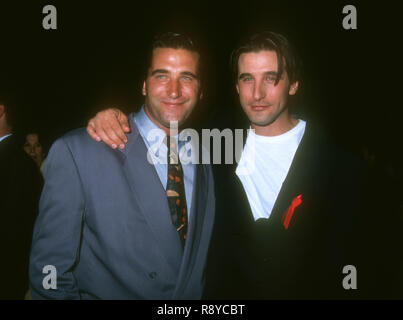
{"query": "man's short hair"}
(171, 40)
(287, 57)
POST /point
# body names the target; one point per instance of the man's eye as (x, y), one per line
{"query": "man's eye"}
(187, 78)
(271, 78)
(161, 76)
(247, 79)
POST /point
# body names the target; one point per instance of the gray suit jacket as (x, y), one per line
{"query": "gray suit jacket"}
(105, 225)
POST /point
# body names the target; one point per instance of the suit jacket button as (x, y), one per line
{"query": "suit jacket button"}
(152, 275)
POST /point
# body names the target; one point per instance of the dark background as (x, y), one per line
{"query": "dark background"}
(60, 78)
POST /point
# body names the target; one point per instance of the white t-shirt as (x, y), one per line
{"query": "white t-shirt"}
(264, 165)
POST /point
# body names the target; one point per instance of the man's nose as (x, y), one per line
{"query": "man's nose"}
(259, 91)
(174, 89)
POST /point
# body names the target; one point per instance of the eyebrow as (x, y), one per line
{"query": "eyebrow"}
(267, 73)
(159, 71)
(184, 73)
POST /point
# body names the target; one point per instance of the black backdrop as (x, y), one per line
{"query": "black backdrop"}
(61, 77)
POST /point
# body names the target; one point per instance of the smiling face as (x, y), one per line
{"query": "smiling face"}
(172, 87)
(264, 102)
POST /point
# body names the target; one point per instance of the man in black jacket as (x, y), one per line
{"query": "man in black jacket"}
(20, 187)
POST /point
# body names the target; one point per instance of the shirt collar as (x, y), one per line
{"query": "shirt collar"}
(154, 137)
(3, 137)
(151, 132)
(148, 129)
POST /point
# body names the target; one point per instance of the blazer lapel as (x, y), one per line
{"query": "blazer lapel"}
(300, 178)
(150, 196)
(198, 209)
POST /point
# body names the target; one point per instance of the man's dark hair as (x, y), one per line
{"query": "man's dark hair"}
(287, 57)
(170, 40)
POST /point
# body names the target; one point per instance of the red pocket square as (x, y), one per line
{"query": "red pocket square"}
(290, 211)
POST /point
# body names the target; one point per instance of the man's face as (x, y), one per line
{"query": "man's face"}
(172, 87)
(264, 103)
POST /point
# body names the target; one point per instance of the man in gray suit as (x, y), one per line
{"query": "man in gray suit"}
(116, 223)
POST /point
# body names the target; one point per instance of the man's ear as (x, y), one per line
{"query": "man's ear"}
(237, 88)
(293, 88)
(144, 90)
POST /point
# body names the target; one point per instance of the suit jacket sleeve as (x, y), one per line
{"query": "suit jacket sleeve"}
(57, 231)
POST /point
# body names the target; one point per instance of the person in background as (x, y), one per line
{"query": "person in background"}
(20, 187)
(34, 148)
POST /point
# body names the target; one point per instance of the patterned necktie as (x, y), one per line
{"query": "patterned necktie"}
(175, 191)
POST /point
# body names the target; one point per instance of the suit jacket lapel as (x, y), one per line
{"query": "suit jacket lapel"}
(150, 196)
(300, 177)
(197, 214)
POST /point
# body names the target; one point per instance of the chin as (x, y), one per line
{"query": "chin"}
(259, 120)
(168, 120)
(172, 117)
(179, 115)
(262, 122)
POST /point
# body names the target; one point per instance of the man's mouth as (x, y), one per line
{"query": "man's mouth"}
(259, 107)
(173, 104)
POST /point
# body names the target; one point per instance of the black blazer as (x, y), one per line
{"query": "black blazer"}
(20, 187)
(328, 230)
